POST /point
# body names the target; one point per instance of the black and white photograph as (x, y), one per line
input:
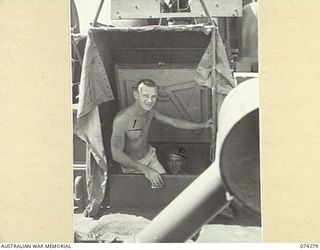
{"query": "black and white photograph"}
(165, 104)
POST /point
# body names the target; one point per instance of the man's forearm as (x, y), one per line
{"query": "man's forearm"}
(192, 125)
(177, 123)
(186, 124)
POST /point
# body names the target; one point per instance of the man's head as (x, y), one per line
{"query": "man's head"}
(176, 163)
(146, 93)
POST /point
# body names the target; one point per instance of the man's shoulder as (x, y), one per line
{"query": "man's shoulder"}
(122, 116)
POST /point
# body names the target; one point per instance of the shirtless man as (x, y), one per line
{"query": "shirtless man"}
(129, 140)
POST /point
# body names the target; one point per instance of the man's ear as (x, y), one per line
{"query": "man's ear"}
(135, 94)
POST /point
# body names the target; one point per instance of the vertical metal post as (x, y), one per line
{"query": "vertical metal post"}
(214, 103)
(228, 34)
(94, 23)
(213, 80)
(76, 50)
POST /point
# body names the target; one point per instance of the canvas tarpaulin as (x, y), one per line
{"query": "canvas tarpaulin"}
(94, 90)
(224, 81)
(214, 72)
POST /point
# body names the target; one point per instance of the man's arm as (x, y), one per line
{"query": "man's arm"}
(117, 147)
(177, 123)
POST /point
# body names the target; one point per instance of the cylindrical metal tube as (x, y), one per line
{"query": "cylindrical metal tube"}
(195, 206)
(238, 144)
(95, 20)
(206, 11)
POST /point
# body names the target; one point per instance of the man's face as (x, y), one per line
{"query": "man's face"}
(175, 164)
(146, 96)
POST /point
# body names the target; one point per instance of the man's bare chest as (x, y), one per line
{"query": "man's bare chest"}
(138, 128)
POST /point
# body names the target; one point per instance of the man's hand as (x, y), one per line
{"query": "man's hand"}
(208, 123)
(154, 177)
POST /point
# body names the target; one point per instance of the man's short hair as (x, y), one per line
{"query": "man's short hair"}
(146, 82)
